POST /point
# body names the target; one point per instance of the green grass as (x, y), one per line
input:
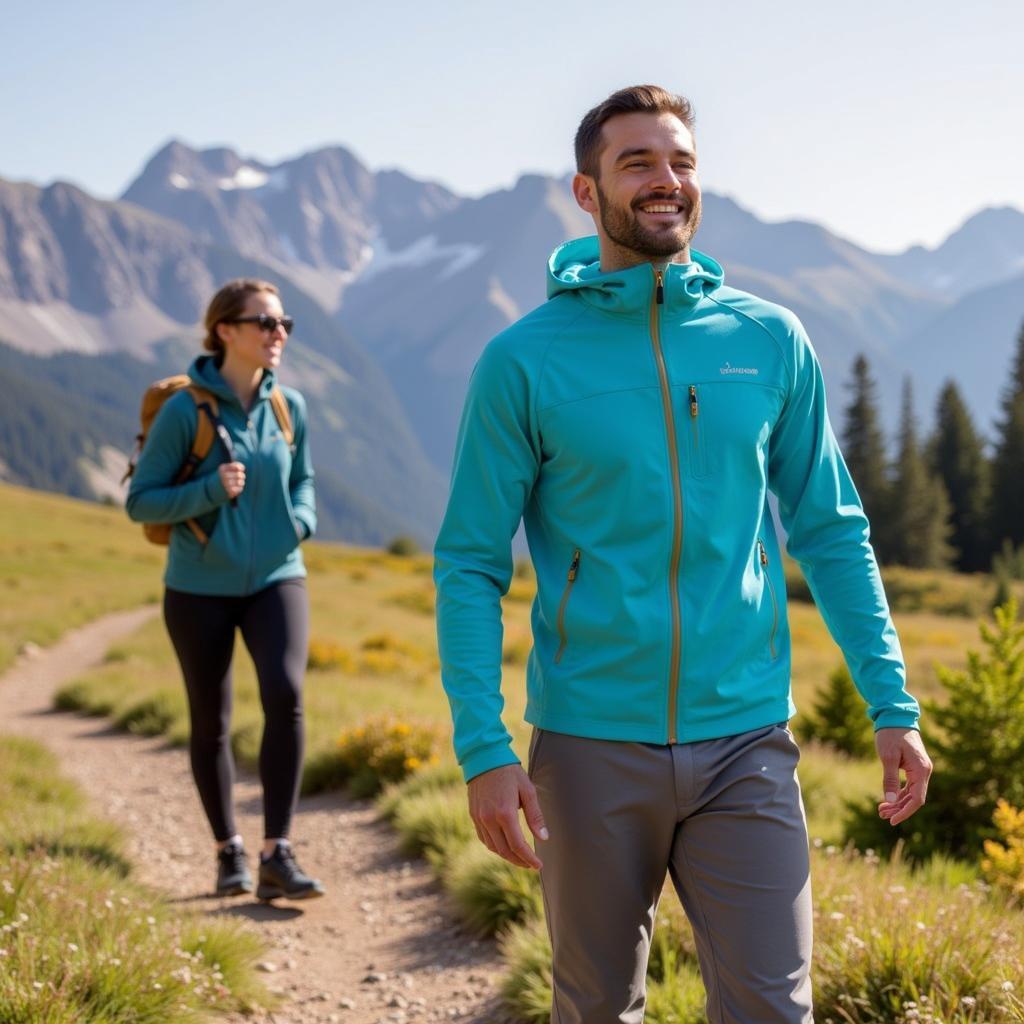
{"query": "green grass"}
(65, 562)
(78, 940)
(487, 892)
(436, 821)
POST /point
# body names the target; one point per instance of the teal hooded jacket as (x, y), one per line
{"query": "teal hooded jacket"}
(636, 422)
(255, 542)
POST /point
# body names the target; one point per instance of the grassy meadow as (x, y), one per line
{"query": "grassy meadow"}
(79, 941)
(65, 562)
(894, 944)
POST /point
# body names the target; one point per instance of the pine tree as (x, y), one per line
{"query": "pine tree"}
(975, 736)
(1007, 502)
(919, 506)
(864, 452)
(958, 459)
(840, 718)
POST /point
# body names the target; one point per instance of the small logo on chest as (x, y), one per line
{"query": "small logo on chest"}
(729, 368)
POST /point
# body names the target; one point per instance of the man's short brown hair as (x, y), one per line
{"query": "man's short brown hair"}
(637, 99)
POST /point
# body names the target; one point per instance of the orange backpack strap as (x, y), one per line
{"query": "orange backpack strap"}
(283, 415)
(206, 426)
(202, 442)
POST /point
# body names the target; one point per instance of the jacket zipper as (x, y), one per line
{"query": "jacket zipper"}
(571, 579)
(254, 437)
(695, 427)
(771, 591)
(657, 299)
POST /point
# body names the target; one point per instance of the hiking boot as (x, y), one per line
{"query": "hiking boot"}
(280, 875)
(233, 878)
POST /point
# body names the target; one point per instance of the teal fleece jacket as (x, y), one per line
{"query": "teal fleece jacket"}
(254, 543)
(636, 422)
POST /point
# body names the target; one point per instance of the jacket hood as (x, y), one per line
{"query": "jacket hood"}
(576, 266)
(205, 373)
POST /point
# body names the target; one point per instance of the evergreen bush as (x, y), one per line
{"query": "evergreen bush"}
(976, 740)
(839, 718)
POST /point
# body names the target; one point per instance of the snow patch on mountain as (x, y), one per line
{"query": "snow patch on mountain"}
(423, 252)
(245, 177)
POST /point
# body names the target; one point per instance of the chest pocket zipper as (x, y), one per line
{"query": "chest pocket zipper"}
(697, 465)
(570, 580)
(771, 591)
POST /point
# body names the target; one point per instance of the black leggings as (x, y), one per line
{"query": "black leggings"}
(275, 627)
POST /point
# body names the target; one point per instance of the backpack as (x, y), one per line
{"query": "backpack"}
(207, 422)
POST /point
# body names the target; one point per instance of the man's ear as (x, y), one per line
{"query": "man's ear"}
(584, 189)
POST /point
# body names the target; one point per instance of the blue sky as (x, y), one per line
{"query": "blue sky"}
(888, 122)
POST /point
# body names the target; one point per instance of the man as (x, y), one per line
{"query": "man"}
(636, 421)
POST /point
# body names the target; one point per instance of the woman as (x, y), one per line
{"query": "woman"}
(234, 562)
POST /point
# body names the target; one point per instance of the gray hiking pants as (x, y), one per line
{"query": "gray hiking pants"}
(724, 817)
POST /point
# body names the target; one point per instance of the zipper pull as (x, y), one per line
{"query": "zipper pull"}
(764, 554)
(575, 565)
(659, 290)
(693, 401)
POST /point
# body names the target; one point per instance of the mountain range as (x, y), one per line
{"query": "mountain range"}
(396, 284)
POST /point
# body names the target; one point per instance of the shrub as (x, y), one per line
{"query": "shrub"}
(526, 987)
(403, 547)
(436, 821)
(1003, 591)
(419, 599)
(839, 719)
(977, 747)
(325, 655)
(79, 696)
(432, 778)
(1008, 562)
(153, 715)
(383, 750)
(379, 663)
(383, 654)
(488, 892)
(368, 757)
(1003, 864)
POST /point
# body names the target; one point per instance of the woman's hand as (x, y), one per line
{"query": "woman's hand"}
(232, 476)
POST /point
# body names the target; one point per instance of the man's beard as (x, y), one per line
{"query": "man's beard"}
(623, 226)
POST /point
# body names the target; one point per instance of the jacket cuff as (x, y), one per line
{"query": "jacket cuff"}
(215, 489)
(497, 755)
(304, 524)
(897, 720)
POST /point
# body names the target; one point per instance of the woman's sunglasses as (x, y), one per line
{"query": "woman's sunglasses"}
(265, 322)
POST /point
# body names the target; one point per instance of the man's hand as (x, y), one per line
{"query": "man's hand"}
(494, 801)
(902, 748)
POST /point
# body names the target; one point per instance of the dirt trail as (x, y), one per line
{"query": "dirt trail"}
(380, 947)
